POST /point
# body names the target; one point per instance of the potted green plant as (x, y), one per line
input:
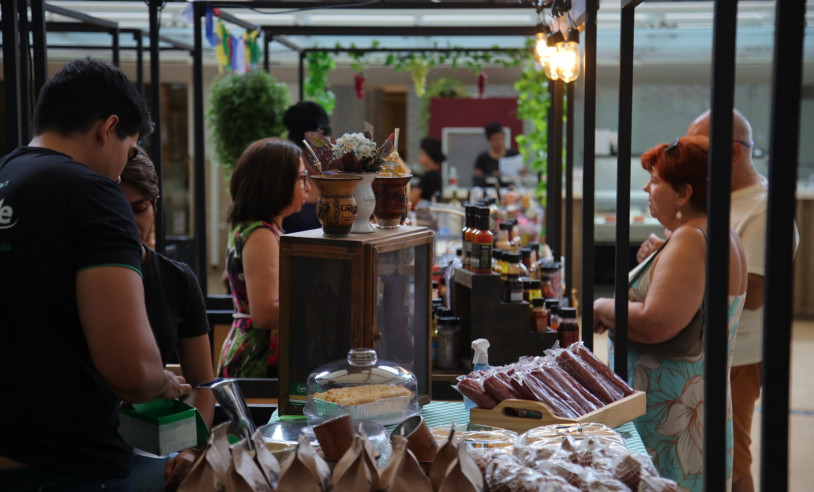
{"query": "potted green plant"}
(244, 108)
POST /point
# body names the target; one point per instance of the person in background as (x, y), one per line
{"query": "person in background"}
(429, 185)
(268, 184)
(305, 116)
(748, 219)
(488, 163)
(666, 293)
(177, 313)
(75, 334)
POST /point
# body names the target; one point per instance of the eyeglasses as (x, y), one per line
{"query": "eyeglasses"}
(303, 177)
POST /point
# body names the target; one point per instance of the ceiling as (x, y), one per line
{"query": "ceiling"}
(667, 32)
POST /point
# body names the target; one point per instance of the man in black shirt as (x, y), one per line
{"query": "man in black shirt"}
(74, 329)
(488, 163)
(429, 184)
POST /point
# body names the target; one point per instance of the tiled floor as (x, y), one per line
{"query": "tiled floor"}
(801, 421)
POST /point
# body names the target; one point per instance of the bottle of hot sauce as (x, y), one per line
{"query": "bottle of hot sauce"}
(482, 240)
(467, 236)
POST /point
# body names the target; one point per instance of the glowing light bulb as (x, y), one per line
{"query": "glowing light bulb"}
(568, 58)
(555, 40)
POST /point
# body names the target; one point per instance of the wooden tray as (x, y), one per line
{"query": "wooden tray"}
(612, 415)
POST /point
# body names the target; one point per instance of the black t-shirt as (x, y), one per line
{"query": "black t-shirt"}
(57, 217)
(490, 166)
(430, 184)
(304, 220)
(175, 303)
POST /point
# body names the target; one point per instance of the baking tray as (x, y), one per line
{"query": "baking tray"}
(535, 414)
(385, 411)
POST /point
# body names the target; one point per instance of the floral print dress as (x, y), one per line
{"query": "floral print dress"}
(247, 352)
(672, 428)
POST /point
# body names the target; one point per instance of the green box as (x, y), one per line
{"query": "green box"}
(159, 426)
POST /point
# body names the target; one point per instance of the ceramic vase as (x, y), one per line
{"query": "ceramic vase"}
(391, 200)
(366, 201)
(336, 207)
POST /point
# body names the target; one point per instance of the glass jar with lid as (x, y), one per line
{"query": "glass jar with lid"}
(363, 386)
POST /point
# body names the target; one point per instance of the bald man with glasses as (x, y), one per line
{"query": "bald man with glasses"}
(750, 191)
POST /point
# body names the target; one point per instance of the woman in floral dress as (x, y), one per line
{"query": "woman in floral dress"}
(667, 291)
(268, 184)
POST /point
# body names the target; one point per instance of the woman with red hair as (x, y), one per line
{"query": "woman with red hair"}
(665, 305)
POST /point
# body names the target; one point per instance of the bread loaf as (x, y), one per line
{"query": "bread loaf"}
(359, 395)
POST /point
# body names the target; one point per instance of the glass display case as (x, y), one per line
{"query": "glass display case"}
(366, 290)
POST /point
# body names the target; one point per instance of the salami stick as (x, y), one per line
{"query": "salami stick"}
(566, 381)
(585, 375)
(536, 379)
(592, 360)
(471, 389)
(542, 394)
(573, 396)
(499, 389)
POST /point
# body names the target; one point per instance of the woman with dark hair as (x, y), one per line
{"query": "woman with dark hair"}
(268, 184)
(666, 303)
(177, 314)
(430, 183)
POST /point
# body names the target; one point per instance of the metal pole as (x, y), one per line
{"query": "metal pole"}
(40, 46)
(549, 196)
(114, 34)
(139, 37)
(569, 188)
(155, 141)
(717, 262)
(24, 71)
(588, 179)
(266, 43)
(11, 75)
(623, 189)
(778, 295)
(199, 164)
(302, 75)
(555, 178)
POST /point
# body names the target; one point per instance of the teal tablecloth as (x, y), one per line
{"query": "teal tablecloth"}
(438, 413)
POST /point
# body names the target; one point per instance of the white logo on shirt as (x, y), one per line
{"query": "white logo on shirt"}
(6, 214)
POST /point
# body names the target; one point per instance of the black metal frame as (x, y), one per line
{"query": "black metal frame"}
(785, 127)
(786, 83)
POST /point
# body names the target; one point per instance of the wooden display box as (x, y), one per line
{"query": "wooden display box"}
(537, 414)
(364, 291)
(478, 302)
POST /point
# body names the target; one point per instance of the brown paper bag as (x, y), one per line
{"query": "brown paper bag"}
(443, 459)
(463, 475)
(304, 471)
(403, 473)
(356, 471)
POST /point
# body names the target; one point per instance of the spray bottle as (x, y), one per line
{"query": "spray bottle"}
(479, 361)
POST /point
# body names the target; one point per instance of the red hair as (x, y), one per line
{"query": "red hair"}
(682, 162)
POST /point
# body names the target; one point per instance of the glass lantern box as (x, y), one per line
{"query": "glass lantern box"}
(363, 291)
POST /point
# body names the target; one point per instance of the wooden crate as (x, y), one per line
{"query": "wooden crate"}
(612, 415)
(334, 297)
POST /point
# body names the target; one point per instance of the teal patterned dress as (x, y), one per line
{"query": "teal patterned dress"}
(247, 352)
(672, 428)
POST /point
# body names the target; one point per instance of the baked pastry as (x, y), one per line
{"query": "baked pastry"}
(359, 395)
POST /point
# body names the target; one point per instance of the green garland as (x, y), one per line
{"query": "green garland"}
(532, 105)
(315, 86)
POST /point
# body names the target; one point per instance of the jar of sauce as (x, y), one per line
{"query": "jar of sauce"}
(569, 328)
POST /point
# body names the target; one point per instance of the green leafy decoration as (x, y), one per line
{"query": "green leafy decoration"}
(244, 108)
(532, 105)
(315, 86)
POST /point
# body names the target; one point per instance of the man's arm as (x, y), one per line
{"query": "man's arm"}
(110, 300)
